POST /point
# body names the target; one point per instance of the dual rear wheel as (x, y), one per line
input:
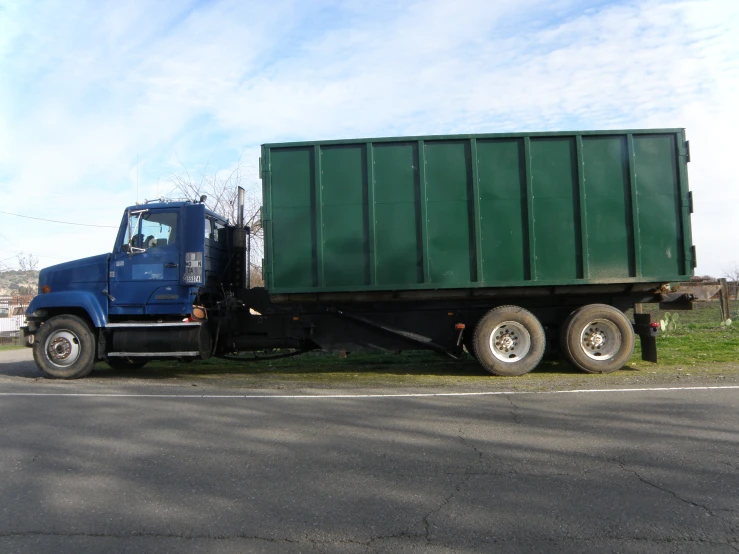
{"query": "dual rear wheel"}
(597, 338)
(510, 340)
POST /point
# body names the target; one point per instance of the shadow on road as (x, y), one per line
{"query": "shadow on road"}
(545, 473)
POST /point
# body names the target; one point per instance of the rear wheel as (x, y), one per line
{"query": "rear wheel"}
(64, 348)
(509, 340)
(598, 338)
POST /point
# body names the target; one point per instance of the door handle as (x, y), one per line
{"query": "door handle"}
(170, 265)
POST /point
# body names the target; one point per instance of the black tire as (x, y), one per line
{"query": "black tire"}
(64, 348)
(509, 341)
(597, 338)
(125, 363)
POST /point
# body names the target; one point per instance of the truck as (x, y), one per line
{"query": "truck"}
(505, 246)
(12, 318)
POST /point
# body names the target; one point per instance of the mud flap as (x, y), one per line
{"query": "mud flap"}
(647, 332)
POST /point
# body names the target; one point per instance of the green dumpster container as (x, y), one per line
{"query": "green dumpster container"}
(472, 211)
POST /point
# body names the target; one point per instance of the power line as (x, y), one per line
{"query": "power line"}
(63, 222)
(16, 252)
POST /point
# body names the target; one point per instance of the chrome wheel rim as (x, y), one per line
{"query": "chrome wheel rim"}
(510, 342)
(600, 339)
(62, 348)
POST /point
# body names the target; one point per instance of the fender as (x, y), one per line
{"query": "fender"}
(86, 300)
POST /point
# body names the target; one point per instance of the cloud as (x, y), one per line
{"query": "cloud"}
(96, 98)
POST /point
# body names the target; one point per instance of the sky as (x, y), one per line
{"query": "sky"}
(106, 103)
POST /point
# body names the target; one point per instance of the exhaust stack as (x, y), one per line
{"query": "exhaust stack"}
(239, 242)
(240, 208)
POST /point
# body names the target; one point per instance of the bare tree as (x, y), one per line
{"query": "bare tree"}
(732, 276)
(27, 263)
(221, 190)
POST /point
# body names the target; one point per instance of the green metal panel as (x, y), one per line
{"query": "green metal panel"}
(422, 201)
(476, 217)
(636, 233)
(556, 208)
(657, 187)
(531, 236)
(608, 207)
(345, 235)
(318, 218)
(504, 227)
(580, 168)
(448, 182)
(463, 211)
(293, 211)
(371, 217)
(398, 256)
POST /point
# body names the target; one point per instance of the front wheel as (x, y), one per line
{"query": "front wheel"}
(64, 348)
(598, 338)
(509, 341)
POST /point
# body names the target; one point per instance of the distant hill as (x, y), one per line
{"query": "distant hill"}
(18, 282)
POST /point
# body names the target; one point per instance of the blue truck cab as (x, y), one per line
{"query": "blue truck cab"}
(137, 302)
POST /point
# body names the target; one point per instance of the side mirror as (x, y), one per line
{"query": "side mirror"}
(132, 249)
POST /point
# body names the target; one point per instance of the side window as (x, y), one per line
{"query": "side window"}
(150, 230)
(159, 229)
(214, 230)
(218, 234)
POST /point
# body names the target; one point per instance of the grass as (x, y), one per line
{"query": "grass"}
(698, 342)
(698, 339)
(11, 347)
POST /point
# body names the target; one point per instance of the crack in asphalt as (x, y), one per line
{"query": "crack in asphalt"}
(466, 476)
(513, 412)
(470, 445)
(711, 512)
(447, 500)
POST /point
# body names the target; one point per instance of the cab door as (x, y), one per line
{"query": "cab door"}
(145, 267)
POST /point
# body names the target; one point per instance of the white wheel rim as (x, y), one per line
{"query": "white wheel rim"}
(600, 339)
(510, 342)
(62, 348)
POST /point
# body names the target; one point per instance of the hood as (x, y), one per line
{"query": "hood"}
(75, 275)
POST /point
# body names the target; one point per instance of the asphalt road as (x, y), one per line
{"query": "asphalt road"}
(150, 467)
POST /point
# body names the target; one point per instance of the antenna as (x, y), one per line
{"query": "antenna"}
(137, 177)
